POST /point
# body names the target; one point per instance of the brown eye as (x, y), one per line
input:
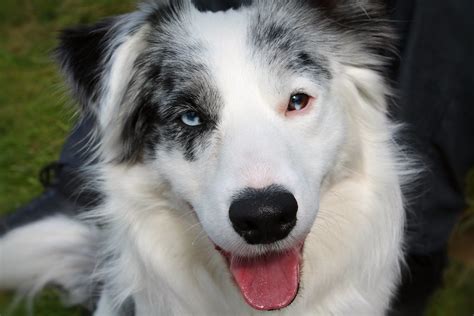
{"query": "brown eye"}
(298, 102)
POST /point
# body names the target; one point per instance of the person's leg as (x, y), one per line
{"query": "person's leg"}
(435, 101)
(66, 188)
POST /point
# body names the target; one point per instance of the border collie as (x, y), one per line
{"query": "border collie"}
(246, 159)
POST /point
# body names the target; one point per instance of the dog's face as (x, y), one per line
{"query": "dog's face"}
(238, 111)
(244, 112)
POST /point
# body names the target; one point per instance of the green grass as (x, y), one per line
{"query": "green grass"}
(457, 296)
(35, 114)
(35, 117)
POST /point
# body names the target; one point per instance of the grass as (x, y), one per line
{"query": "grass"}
(35, 114)
(35, 117)
(33, 111)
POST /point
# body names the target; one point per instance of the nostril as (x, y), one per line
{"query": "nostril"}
(246, 225)
(287, 217)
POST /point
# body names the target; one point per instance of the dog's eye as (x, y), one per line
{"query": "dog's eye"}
(298, 102)
(191, 118)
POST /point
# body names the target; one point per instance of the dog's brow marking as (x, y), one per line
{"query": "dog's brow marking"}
(273, 39)
(174, 78)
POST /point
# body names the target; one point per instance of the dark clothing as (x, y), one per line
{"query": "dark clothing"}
(435, 84)
(66, 190)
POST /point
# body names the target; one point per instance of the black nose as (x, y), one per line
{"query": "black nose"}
(263, 216)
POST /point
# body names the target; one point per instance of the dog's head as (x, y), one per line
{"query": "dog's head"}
(239, 110)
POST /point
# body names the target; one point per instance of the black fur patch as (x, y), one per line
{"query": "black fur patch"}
(139, 131)
(166, 14)
(272, 33)
(81, 55)
(169, 81)
(287, 44)
(175, 132)
(220, 5)
(156, 121)
(303, 62)
(367, 21)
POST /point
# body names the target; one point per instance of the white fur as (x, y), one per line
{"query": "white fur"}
(56, 250)
(339, 159)
(341, 275)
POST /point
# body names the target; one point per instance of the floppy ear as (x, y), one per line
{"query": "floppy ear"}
(366, 20)
(98, 63)
(338, 6)
(82, 54)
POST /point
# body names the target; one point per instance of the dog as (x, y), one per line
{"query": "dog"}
(246, 158)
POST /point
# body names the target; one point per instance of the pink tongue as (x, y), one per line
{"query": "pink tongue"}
(269, 282)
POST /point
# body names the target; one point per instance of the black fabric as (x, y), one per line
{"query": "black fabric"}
(47, 204)
(435, 85)
(75, 151)
(419, 282)
(66, 190)
(436, 101)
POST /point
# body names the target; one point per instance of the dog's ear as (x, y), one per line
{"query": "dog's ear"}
(367, 20)
(351, 13)
(349, 5)
(82, 55)
(98, 63)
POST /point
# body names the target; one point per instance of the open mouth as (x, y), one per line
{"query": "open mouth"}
(267, 282)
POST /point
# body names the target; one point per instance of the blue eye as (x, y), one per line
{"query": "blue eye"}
(191, 118)
(298, 102)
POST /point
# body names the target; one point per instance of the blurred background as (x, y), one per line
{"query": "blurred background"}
(36, 115)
